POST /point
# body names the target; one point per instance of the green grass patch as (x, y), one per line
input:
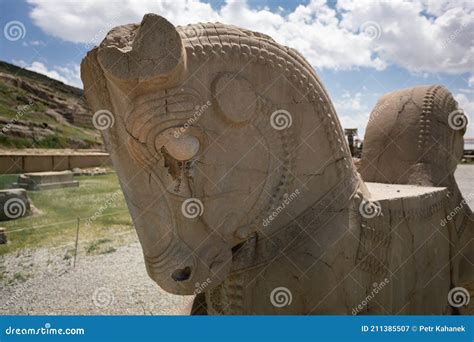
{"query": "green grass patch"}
(55, 222)
(101, 246)
(17, 106)
(6, 181)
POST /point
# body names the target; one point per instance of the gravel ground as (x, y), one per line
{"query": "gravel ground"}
(44, 282)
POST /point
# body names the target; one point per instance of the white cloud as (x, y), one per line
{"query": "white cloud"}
(355, 120)
(37, 43)
(66, 74)
(88, 21)
(426, 36)
(33, 43)
(352, 111)
(71, 73)
(349, 102)
(415, 41)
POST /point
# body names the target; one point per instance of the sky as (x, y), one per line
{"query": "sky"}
(360, 49)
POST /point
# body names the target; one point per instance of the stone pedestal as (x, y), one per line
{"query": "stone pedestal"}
(14, 204)
(46, 180)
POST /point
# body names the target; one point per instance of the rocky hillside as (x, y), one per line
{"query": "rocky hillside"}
(39, 112)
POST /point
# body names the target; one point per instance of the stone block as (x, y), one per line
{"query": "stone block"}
(46, 180)
(14, 204)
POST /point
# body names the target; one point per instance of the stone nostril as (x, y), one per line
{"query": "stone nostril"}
(181, 274)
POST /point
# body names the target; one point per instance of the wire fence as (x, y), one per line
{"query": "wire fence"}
(78, 224)
(65, 222)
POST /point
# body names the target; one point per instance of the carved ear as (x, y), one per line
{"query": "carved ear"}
(95, 85)
(235, 97)
(156, 53)
(97, 93)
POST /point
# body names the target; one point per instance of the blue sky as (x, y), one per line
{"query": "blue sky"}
(361, 49)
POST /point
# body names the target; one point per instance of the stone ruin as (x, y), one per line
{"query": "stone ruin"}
(14, 204)
(36, 181)
(96, 171)
(253, 203)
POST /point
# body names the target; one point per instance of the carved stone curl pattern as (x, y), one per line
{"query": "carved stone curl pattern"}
(152, 115)
(214, 40)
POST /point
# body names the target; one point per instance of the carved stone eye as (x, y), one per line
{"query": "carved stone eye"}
(183, 147)
(180, 144)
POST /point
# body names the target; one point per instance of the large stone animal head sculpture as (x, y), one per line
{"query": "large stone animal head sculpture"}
(414, 136)
(211, 127)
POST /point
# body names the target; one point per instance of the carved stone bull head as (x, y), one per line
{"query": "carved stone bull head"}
(213, 127)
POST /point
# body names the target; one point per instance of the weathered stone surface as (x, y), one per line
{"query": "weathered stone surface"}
(240, 184)
(46, 180)
(14, 204)
(415, 136)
